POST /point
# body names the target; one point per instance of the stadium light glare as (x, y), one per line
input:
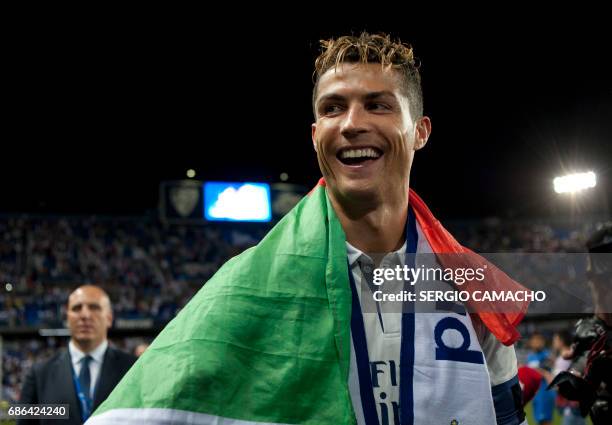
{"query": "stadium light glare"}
(573, 183)
(191, 173)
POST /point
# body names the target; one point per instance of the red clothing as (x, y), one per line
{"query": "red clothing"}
(530, 380)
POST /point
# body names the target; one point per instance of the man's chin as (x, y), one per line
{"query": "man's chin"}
(359, 191)
(83, 339)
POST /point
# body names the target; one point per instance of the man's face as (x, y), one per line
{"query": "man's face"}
(537, 343)
(364, 135)
(89, 315)
(557, 343)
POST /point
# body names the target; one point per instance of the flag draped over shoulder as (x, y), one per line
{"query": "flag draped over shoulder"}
(266, 340)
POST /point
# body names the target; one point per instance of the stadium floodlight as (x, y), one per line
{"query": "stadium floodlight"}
(573, 183)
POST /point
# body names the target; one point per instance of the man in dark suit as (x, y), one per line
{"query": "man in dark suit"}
(86, 373)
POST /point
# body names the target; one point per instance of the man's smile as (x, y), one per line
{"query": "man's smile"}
(357, 156)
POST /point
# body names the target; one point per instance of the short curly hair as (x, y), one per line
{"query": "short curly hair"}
(373, 48)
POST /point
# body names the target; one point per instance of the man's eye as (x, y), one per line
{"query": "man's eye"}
(331, 109)
(379, 106)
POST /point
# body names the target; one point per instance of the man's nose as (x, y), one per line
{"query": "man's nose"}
(85, 313)
(355, 122)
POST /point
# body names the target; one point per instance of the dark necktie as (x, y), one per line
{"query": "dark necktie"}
(85, 377)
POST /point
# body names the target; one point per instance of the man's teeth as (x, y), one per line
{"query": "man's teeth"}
(359, 153)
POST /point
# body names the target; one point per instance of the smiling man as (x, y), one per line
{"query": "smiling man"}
(368, 107)
(281, 334)
(85, 374)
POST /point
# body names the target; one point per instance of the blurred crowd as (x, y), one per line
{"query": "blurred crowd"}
(497, 235)
(541, 357)
(149, 270)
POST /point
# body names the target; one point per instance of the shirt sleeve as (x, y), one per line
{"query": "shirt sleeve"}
(503, 374)
(501, 359)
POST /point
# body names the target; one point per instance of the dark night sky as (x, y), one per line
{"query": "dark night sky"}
(98, 114)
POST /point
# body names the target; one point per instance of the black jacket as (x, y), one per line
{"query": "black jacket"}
(51, 382)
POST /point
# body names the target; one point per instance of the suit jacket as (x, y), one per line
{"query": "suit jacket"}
(52, 382)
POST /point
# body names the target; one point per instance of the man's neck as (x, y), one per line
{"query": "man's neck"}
(87, 346)
(374, 230)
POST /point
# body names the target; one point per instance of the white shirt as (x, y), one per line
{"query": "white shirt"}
(95, 364)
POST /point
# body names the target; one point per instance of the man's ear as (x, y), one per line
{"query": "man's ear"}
(109, 318)
(423, 130)
(314, 140)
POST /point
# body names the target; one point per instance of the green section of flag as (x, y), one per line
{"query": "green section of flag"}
(266, 339)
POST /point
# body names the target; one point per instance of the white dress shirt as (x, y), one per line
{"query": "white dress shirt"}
(95, 364)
